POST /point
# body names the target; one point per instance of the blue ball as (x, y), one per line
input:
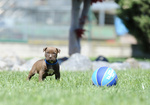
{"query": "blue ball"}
(104, 76)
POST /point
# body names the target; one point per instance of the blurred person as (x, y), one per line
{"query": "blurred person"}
(77, 24)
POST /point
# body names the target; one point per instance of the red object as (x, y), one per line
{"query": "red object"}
(94, 1)
(110, 41)
(79, 32)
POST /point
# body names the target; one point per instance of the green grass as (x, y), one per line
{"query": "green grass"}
(74, 88)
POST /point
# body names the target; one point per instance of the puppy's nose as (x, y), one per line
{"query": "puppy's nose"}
(50, 55)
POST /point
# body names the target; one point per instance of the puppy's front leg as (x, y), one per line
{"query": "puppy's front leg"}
(57, 76)
(41, 75)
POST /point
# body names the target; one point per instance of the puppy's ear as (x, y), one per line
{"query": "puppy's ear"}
(58, 50)
(44, 49)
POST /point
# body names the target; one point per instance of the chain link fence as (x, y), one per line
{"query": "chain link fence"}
(34, 19)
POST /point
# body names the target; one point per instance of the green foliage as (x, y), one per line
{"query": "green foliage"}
(74, 88)
(136, 16)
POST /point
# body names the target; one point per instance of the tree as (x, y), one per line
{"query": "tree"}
(136, 16)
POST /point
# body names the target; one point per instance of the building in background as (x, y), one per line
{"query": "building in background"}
(49, 19)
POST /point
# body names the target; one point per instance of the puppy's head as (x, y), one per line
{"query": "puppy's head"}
(51, 54)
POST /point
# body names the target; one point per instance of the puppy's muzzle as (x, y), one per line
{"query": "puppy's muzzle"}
(51, 58)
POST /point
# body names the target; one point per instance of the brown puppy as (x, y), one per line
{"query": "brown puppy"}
(48, 66)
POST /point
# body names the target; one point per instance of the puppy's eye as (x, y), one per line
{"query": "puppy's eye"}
(47, 53)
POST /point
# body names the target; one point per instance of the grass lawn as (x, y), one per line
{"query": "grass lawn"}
(74, 88)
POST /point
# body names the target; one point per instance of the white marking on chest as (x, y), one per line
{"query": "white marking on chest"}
(50, 71)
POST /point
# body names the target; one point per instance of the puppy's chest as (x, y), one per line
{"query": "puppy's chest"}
(50, 71)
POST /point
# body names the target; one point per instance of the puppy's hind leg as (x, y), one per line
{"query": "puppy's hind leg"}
(31, 74)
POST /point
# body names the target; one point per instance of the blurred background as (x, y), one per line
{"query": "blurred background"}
(26, 27)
